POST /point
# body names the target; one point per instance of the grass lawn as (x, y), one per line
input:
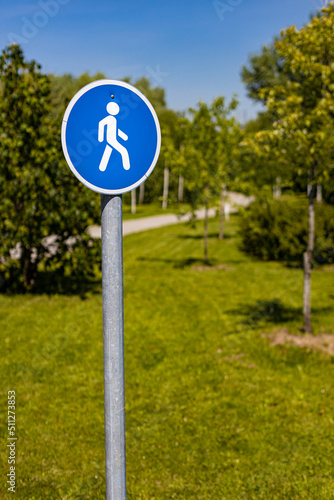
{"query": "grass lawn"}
(212, 410)
(154, 209)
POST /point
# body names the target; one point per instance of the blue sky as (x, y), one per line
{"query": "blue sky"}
(193, 48)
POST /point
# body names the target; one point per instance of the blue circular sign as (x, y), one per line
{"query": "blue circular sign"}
(110, 136)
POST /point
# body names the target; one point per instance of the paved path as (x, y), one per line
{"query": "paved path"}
(145, 223)
(138, 225)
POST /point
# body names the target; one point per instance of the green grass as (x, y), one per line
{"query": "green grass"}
(212, 410)
(154, 209)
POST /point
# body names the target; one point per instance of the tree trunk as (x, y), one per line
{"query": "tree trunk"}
(319, 194)
(308, 258)
(26, 272)
(141, 193)
(29, 269)
(227, 209)
(221, 214)
(206, 225)
(165, 191)
(180, 190)
(133, 201)
(277, 190)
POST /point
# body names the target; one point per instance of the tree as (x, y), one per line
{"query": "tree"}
(156, 95)
(263, 165)
(264, 70)
(173, 128)
(44, 210)
(171, 161)
(304, 106)
(64, 87)
(168, 154)
(212, 136)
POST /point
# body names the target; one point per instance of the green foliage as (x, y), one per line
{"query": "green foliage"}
(262, 162)
(64, 87)
(328, 190)
(301, 140)
(212, 139)
(263, 121)
(156, 95)
(304, 103)
(174, 128)
(294, 78)
(263, 70)
(278, 230)
(39, 196)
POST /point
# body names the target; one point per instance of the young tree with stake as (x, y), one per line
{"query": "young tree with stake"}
(213, 135)
(304, 106)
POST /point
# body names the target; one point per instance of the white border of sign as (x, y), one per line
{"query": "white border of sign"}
(77, 96)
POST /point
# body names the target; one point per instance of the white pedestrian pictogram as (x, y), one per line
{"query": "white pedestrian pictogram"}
(111, 136)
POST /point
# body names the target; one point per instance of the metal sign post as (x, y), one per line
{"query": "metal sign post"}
(113, 345)
(111, 141)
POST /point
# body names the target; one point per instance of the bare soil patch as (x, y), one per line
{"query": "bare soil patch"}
(323, 342)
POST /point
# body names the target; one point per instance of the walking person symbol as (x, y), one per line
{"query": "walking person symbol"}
(111, 135)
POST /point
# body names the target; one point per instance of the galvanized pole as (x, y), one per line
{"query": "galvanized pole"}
(113, 345)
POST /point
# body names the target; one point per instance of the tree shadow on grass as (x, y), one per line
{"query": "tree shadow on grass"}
(200, 236)
(271, 312)
(51, 283)
(181, 263)
(264, 312)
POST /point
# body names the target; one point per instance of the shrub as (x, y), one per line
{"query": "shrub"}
(277, 230)
(39, 196)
